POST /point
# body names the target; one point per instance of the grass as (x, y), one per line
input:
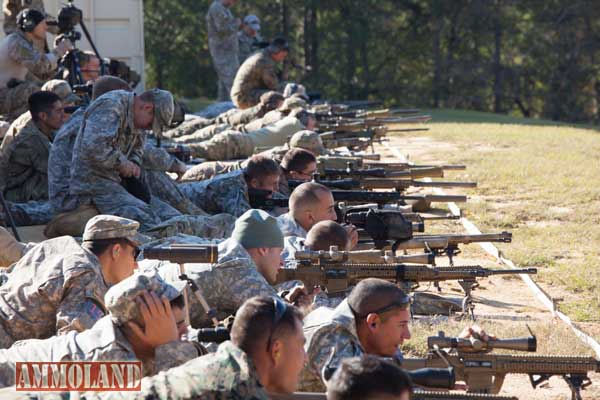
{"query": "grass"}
(540, 181)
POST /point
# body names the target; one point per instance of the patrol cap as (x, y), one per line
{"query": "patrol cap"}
(308, 140)
(256, 228)
(164, 108)
(62, 89)
(252, 21)
(293, 102)
(294, 88)
(112, 227)
(120, 298)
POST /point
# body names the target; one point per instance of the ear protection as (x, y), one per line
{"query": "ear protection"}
(28, 19)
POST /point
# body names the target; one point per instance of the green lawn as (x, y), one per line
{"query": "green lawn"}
(541, 181)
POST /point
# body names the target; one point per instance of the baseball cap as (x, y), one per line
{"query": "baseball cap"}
(308, 140)
(62, 89)
(252, 21)
(256, 228)
(164, 108)
(120, 298)
(113, 227)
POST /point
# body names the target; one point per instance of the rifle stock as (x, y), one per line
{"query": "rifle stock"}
(338, 277)
(485, 373)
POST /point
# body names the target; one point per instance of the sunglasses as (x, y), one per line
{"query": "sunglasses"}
(280, 308)
(401, 303)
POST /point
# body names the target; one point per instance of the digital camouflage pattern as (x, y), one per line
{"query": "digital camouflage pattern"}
(203, 134)
(107, 139)
(166, 189)
(112, 227)
(12, 250)
(30, 213)
(209, 227)
(59, 164)
(236, 117)
(13, 130)
(330, 338)
(25, 171)
(57, 286)
(226, 193)
(119, 299)
(225, 285)
(222, 29)
(210, 169)
(255, 76)
(233, 144)
(188, 127)
(289, 226)
(226, 374)
(246, 45)
(105, 341)
(13, 101)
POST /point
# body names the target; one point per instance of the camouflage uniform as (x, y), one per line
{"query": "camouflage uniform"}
(330, 338)
(187, 127)
(289, 226)
(225, 286)
(15, 127)
(210, 169)
(203, 134)
(233, 144)
(30, 213)
(26, 172)
(236, 117)
(223, 45)
(59, 164)
(227, 374)
(246, 45)
(107, 139)
(227, 193)
(256, 76)
(20, 60)
(105, 341)
(56, 287)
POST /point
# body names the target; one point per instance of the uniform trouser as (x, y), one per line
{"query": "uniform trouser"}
(203, 134)
(158, 219)
(13, 101)
(167, 190)
(187, 128)
(247, 100)
(227, 145)
(210, 169)
(226, 66)
(30, 213)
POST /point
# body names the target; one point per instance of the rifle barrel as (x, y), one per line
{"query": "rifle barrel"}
(181, 254)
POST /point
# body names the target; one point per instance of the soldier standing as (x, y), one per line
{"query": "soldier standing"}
(223, 44)
(248, 37)
(257, 74)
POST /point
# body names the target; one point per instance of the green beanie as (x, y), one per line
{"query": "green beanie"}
(256, 228)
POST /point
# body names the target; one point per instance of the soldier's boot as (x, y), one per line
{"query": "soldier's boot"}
(71, 223)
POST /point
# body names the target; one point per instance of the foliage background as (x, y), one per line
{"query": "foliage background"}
(534, 58)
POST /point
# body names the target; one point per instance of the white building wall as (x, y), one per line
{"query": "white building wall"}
(115, 26)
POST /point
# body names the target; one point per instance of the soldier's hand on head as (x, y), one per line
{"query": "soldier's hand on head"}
(477, 332)
(160, 326)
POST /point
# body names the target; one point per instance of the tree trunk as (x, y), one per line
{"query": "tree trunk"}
(497, 66)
